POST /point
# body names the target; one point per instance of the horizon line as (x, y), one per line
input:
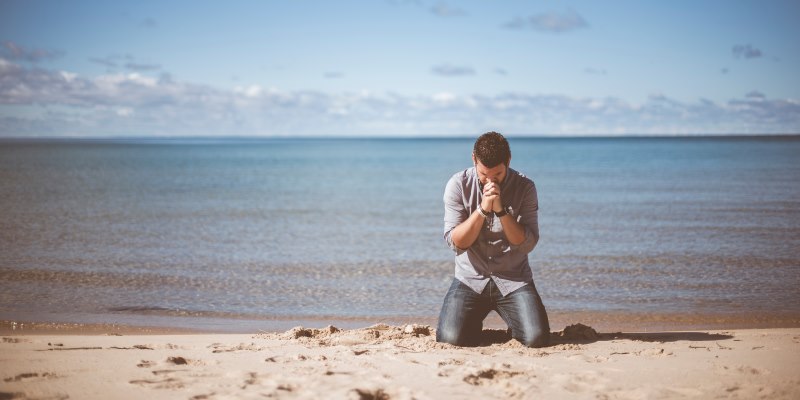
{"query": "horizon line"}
(399, 137)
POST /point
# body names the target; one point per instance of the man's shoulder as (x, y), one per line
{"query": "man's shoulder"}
(460, 182)
(463, 176)
(520, 178)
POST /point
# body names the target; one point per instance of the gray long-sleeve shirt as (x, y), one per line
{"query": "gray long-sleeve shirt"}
(491, 256)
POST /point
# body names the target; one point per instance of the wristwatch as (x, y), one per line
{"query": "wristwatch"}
(501, 213)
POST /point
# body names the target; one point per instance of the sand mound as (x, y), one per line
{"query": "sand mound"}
(413, 336)
(417, 337)
(376, 333)
(577, 332)
(300, 332)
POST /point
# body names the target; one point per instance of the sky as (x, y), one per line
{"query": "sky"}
(398, 68)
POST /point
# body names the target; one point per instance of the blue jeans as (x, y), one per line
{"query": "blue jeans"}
(463, 312)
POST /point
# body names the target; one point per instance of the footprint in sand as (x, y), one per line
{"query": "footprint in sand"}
(166, 383)
(177, 360)
(371, 394)
(220, 348)
(12, 395)
(741, 369)
(23, 396)
(184, 361)
(28, 376)
(447, 367)
(452, 361)
(489, 376)
(252, 379)
(266, 382)
(509, 381)
(748, 370)
(135, 347)
(14, 340)
(159, 372)
(654, 352)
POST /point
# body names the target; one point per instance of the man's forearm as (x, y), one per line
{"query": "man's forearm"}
(514, 231)
(465, 234)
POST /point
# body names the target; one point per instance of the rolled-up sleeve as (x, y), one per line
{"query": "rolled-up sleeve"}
(528, 217)
(454, 210)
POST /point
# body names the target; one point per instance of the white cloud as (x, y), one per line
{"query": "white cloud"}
(550, 22)
(68, 76)
(249, 91)
(452, 70)
(140, 105)
(125, 61)
(14, 51)
(142, 67)
(117, 80)
(125, 112)
(443, 98)
(746, 51)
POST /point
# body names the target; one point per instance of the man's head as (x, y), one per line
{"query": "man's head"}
(491, 156)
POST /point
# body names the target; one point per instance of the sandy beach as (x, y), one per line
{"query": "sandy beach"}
(401, 362)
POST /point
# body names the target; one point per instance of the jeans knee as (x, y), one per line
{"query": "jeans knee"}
(445, 337)
(537, 338)
(448, 336)
(451, 336)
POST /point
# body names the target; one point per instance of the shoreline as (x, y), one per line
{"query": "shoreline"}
(403, 362)
(606, 322)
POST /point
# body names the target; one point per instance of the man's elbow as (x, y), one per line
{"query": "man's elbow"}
(531, 239)
(452, 243)
(534, 240)
(518, 242)
(457, 246)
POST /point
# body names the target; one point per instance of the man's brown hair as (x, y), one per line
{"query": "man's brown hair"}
(492, 149)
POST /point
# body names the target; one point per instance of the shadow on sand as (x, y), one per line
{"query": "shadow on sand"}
(582, 334)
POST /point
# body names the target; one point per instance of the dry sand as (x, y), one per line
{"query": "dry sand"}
(388, 362)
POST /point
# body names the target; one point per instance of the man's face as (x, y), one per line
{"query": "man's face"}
(495, 174)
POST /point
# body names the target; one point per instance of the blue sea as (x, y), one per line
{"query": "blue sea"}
(246, 234)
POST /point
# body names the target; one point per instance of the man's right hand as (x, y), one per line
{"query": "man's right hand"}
(486, 203)
(490, 194)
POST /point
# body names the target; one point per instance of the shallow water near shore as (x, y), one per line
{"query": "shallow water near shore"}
(213, 233)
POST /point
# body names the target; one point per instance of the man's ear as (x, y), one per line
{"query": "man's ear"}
(474, 160)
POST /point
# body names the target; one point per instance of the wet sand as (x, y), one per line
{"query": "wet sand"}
(400, 362)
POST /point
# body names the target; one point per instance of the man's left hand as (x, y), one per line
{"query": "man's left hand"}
(493, 189)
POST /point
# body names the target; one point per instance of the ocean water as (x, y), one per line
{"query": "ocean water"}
(227, 234)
